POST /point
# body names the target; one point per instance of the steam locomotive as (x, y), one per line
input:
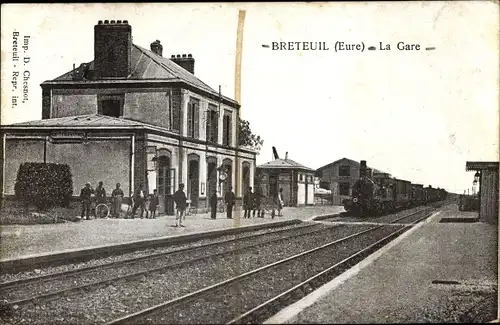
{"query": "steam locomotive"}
(381, 194)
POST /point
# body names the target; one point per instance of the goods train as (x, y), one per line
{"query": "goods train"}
(381, 194)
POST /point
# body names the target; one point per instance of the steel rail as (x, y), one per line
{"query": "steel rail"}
(255, 315)
(52, 276)
(55, 294)
(131, 318)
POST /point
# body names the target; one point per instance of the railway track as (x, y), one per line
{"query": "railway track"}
(118, 273)
(240, 292)
(389, 218)
(68, 281)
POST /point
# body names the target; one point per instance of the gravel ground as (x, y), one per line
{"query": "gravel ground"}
(229, 302)
(143, 265)
(7, 277)
(114, 301)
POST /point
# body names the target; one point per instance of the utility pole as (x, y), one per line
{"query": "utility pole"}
(237, 95)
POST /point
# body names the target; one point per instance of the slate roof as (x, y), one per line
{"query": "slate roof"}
(284, 164)
(91, 120)
(149, 66)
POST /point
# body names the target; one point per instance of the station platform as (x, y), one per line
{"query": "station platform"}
(437, 272)
(33, 240)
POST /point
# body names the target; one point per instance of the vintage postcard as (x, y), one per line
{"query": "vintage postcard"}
(226, 163)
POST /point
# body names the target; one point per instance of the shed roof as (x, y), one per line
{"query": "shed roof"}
(90, 120)
(481, 165)
(284, 164)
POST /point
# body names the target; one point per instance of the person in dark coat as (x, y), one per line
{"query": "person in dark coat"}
(139, 201)
(117, 196)
(230, 199)
(213, 206)
(257, 204)
(153, 204)
(180, 200)
(248, 202)
(85, 196)
(100, 195)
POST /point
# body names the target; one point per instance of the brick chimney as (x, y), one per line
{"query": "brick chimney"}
(112, 49)
(157, 48)
(185, 61)
(362, 168)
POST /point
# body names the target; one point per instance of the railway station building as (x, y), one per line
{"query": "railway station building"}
(296, 180)
(134, 117)
(339, 177)
(487, 178)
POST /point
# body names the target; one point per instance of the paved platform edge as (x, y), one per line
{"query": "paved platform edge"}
(290, 312)
(8, 264)
(323, 216)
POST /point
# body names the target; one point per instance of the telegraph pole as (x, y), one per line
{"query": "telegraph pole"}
(237, 97)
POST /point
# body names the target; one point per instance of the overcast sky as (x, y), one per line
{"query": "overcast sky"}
(419, 115)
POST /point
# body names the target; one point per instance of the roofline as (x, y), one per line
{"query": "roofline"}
(333, 163)
(263, 166)
(287, 168)
(375, 170)
(6, 128)
(481, 165)
(137, 83)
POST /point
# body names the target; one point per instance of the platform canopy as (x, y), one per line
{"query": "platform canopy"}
(481, 165)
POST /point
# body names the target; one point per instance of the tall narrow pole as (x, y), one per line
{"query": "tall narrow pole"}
(2, 179)
(237, 97)
(132, 166)
(219, 114)
(220, 97)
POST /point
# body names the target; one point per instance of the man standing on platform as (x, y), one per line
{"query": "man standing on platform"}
(117, 196)
(153, 204)
(85, 196)
(257, 206)
(139, 201)
(213, 206)
(100, 194)
(230, 199)
(248, 202)
(180, 200)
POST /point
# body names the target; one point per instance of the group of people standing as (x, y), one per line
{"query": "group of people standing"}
(251, 202)
(147, 204)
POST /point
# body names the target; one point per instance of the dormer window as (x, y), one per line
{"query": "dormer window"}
(111, 105)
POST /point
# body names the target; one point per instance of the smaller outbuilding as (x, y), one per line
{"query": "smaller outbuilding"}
(486, 177)
(296, 180)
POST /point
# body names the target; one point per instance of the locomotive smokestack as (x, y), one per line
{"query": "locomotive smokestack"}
(362, 168)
